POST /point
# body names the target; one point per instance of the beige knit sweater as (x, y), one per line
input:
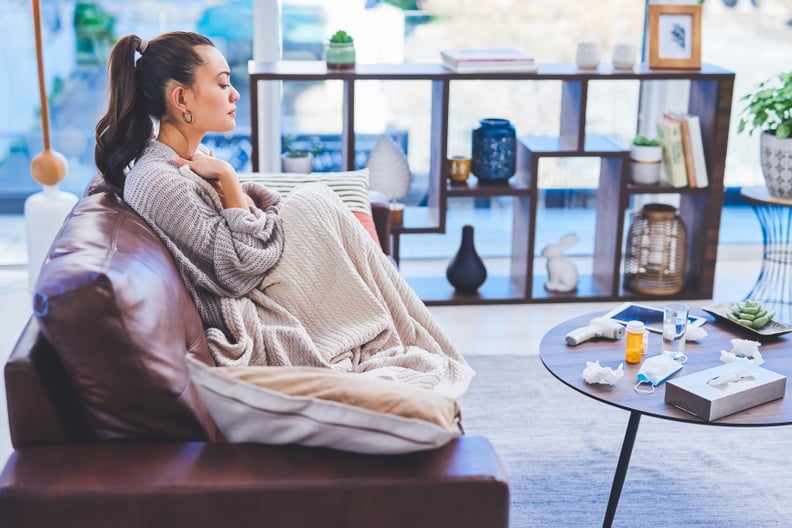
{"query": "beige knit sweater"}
(218, 254)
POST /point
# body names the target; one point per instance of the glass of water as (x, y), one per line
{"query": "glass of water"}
(675, 321)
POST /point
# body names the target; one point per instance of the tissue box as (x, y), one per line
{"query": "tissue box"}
(692, 394)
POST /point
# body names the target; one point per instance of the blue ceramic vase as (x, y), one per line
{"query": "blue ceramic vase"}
(466, 271)
(494, 151)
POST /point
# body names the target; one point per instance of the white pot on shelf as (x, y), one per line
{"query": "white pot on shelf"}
(645, 164)
(300, 164)
(776, 159)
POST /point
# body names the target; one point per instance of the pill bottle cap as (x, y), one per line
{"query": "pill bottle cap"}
(635, 327)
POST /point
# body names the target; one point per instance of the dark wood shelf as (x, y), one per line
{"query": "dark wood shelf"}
(472, 188)
(710, 98)
(664, 188)
(317, 71)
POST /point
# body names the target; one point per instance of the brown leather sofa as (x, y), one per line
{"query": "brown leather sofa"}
(108, 430)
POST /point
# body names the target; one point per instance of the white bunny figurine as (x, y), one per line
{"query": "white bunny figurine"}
(562, 274)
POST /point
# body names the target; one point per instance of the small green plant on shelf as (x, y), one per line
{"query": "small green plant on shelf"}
(290, 151)
(643, 141)
(340, 37)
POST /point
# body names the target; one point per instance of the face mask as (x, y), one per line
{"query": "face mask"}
(654, 371)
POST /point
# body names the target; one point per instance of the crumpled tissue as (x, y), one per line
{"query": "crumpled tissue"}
(596, 373)
(695, 333)
(743, 349)
(729, 376)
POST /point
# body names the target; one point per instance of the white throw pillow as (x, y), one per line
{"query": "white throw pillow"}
(324, 408)
(351, 186)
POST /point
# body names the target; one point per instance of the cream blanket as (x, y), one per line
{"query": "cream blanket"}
(335, 300)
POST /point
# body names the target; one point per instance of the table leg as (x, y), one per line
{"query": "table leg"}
(621, 467)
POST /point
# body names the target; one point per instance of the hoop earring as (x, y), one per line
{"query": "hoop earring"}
(188, 117)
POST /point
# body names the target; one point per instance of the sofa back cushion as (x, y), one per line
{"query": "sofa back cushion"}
(113, 306)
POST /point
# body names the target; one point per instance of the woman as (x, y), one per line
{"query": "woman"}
(276, 282)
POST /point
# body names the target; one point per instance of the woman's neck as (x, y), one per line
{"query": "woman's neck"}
(179, 140)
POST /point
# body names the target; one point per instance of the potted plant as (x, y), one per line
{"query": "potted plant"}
(646, 155)
(298, 160)
(769, 109)
(340, 51)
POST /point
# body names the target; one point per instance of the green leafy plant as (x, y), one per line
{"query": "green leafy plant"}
(292, 152)
(643, 141)
(341, 36)
(769, 107)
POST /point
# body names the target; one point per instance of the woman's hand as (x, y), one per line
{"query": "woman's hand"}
(222, 177)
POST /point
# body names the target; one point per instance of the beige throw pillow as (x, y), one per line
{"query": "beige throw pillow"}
(322, 407)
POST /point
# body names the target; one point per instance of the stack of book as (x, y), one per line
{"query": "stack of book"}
(683, 150)
(487, 60)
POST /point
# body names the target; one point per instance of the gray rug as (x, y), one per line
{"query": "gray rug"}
(560, 450)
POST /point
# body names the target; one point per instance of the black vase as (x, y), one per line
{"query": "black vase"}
(466, 271)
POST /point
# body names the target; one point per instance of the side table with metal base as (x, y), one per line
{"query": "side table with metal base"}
(774, 285)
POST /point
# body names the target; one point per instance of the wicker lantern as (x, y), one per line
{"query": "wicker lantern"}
(656, 246)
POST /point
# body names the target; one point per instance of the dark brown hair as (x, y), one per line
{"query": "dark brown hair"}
(137, 94)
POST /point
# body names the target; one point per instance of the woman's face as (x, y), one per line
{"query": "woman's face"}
(214, 99)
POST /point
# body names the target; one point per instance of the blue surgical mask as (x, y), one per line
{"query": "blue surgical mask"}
(654, 371)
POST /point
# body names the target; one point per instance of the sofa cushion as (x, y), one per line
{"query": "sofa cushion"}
(351, 186)
(113, 306)
(324, 408)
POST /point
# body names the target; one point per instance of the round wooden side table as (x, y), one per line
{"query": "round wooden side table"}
(774, 285)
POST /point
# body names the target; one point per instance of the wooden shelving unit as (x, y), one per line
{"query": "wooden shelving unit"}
(710, 98)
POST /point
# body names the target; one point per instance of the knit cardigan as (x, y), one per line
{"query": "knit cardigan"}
(218, 254)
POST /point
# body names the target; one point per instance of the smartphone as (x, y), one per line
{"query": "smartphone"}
(652, 317)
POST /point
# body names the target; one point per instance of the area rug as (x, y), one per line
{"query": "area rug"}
(560, 450)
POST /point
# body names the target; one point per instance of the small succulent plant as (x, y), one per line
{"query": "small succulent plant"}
(643, 141)
(341, 36)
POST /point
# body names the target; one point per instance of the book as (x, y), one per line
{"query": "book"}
(487, 68)
(699, 160)
(693, 144)
(687, 146)
(487, 60)
(674, 169)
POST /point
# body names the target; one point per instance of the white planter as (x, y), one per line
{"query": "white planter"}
(300, 164)
(645, 164)
(776, 158)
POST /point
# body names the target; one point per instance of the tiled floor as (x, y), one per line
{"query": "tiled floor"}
(500, 329)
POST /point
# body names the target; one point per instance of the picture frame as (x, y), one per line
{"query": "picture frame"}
(675, 36)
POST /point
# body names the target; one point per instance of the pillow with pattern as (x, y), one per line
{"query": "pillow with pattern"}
(351, 186)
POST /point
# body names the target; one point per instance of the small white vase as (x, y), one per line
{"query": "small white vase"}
(776, 159)
(588, 54)
(299, 164)
(645, 164)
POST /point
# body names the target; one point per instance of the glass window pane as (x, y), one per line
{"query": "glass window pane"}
(77, 38)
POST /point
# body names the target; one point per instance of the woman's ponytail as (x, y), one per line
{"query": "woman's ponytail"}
(122, 133)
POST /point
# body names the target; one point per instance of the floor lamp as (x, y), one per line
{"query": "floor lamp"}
(45, 210)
